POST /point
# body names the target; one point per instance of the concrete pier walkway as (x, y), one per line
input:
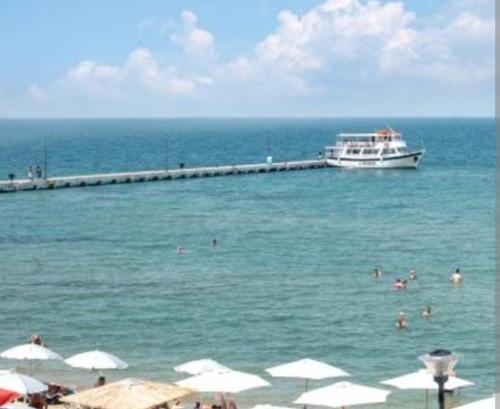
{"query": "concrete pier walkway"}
(17, 185)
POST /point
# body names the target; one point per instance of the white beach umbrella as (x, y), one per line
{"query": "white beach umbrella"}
(223, 381)
(423, 379)
(267, 406)
(200, 366)
(29, 352)
(306, 369)
(95, 360)
(342, 395)
(22, 384)
(480, 404)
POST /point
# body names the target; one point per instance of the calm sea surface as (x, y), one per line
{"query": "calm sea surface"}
(291, 277)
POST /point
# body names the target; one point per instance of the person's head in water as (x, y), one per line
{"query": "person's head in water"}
(427, 312)
(457, 271)
(401, 322)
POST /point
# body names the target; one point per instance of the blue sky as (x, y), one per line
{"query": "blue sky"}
(247, 58)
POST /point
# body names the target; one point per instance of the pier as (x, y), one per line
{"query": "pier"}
(59, 182)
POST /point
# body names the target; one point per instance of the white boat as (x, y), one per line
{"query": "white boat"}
(383, 149)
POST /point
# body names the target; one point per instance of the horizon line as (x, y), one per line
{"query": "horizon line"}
(8, 118)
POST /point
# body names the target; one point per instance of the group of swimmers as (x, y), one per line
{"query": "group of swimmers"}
(401, 284)
(402, 321)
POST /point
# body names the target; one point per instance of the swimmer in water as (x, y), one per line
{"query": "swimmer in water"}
(401, 322)
(398, 284)
(377, 273)
(427, 312)
(214, 242)
(456, 277)
(413, 274)
(403, 284)
(180, 250)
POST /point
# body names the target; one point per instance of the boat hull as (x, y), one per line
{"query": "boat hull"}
(406, 161)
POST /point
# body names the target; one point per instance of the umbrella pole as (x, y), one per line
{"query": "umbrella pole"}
(427, 399)
(305, 389)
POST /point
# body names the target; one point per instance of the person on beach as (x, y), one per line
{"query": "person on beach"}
(37, 340)
(30, 172)
(37, 401)
(413, 274)
(54, 394)
(197, 405)
(101, 381)
(401, 322)
(377, 273)
(427, 312)
(456, 277)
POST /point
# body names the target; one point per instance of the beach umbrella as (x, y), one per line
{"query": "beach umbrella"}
(267, 406)
(30, 352)
(128, 393)
(423, 379)
(7, 396)
(19, 383)
(306, 369)
(200, 366)
(223, 381)
(17, 405)
(342, 395)
(480, 404)
(96, 360)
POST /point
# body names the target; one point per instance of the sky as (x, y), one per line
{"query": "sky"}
(223, 58)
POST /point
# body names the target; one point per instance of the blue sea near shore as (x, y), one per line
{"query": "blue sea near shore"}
(291, 277)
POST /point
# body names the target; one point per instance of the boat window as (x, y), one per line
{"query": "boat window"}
(402, 150)
(370, 151)
(387, 151)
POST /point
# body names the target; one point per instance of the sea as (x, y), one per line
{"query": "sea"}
(291, 276)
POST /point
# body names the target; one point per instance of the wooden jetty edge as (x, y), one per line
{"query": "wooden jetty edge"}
(17, 185)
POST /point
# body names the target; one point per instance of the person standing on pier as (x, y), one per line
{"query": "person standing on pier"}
(30, 172)
(38, 171)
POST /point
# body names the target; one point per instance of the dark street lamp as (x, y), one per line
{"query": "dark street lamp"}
(440, 363)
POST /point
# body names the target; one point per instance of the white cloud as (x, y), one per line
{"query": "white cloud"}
(140, 72)
(335, 30)
(350, 41)
(193, 40)
(337, 49)
(37, 94)
(462, 51)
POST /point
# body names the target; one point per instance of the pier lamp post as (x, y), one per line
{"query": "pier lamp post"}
(440, 363)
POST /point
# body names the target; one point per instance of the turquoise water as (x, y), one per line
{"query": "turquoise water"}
(291, 276)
